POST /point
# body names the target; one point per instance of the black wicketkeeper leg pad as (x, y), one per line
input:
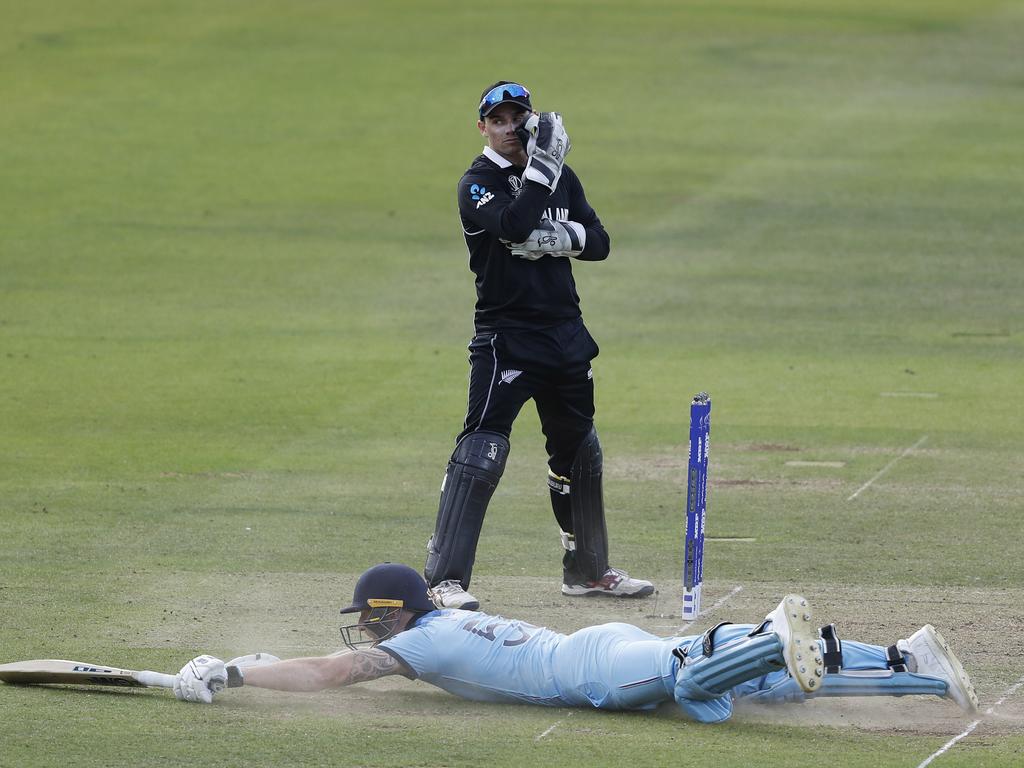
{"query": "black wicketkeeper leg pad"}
(587, 501)
(472, 475)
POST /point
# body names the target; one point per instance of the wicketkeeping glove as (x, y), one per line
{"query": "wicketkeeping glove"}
(552, 238)
(547, 147)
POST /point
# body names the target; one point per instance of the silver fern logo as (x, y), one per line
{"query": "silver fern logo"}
(507, 377)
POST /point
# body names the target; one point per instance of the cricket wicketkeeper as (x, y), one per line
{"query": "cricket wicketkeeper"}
(526, 221)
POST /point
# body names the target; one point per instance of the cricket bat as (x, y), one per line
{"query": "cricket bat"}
(63, 672)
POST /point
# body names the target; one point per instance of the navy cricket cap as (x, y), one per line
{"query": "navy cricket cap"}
(393, 583)
(504, 92)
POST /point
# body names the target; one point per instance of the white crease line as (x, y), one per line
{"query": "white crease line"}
(886, 468)
(555, 725)
(716, 606)
(732, 539)
(949, 744)
(970, 728)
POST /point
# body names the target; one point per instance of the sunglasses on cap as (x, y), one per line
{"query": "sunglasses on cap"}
(500, 93)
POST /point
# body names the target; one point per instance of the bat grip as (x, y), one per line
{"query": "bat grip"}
(155, 679)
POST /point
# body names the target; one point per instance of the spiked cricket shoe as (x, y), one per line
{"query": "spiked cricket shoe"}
(614, 583)
(793, 623)
(450, 594)
(930, 654)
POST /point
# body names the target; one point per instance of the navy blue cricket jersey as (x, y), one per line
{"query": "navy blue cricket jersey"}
(496, 205)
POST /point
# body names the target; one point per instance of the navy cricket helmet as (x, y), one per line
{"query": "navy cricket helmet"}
(390, 581)
(384, 590)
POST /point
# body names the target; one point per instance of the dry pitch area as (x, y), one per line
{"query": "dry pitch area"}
(975, 621)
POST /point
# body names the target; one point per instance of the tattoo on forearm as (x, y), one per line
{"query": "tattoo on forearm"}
(371, 664)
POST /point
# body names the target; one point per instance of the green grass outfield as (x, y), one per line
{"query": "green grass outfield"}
(234, 304)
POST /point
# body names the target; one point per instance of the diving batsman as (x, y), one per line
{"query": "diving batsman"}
(482, 657)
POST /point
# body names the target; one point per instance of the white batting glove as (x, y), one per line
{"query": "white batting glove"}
(200, 679)
(547, 147)
(552, 238)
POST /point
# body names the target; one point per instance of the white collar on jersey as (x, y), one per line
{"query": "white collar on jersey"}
(495, 158)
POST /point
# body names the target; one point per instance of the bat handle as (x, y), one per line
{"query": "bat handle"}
(155, 679)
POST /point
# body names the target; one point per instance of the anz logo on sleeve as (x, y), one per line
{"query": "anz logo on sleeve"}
(481, 195)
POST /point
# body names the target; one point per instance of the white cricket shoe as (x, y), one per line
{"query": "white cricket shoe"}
(614, 583)
(450, 594)
(793, 623)
(929, 654)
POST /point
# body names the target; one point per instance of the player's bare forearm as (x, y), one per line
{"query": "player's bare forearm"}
(320, 673)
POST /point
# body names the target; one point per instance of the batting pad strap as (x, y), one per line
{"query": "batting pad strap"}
(708, 641)
(558, 484)
(235, 677)
(760, 629)
(568, 541)
(894, 659)
(833, 649)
